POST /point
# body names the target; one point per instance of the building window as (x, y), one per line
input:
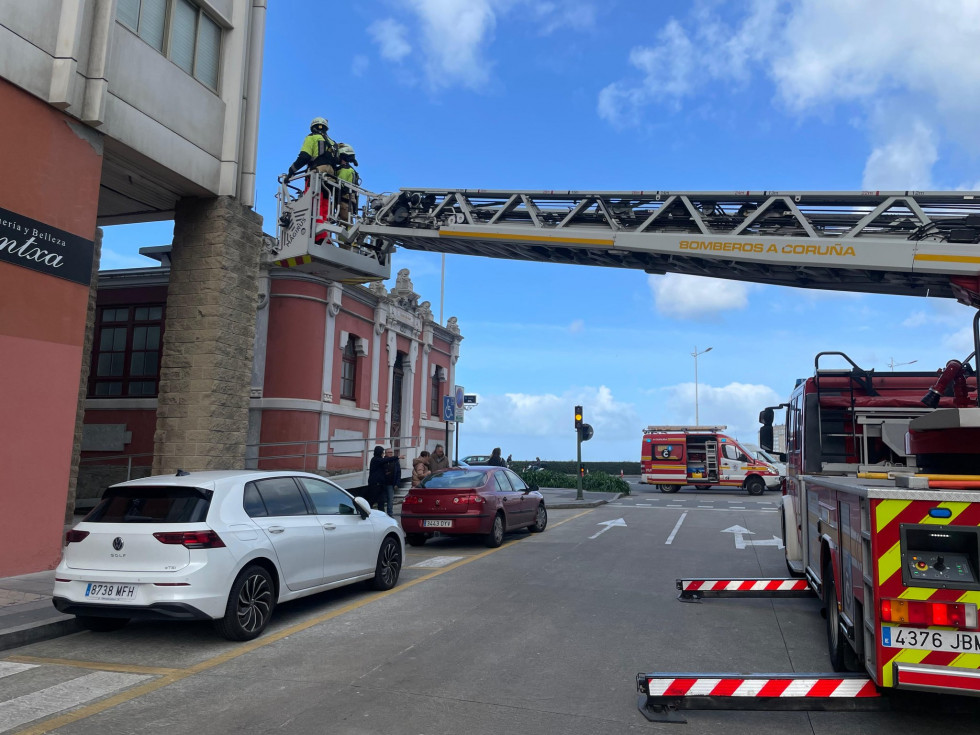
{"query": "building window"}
(436, 403)
(178, 29)
(348, 374)
(126, 358)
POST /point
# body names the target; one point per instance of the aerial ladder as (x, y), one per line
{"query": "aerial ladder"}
(892, 242)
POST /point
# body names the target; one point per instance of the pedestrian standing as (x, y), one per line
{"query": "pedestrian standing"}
(438, 460)
(379, 474)
(420, 468)
(393, 475)
(495, 459)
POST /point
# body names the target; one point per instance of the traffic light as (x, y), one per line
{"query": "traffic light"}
(578, 418)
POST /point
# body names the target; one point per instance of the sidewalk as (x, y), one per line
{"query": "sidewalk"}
(27, 615)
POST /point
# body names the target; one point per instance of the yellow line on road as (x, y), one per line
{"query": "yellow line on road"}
(176, 675)
(98, 665)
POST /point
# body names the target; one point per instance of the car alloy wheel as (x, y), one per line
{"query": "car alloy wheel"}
(540, 520)
(250, 605)
(389, 565)
(496, 536)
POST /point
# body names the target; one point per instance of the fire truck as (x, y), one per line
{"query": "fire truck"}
(702, 456)
(881, 517)
(882, 503)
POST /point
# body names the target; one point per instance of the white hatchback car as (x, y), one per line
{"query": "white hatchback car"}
(221, 546)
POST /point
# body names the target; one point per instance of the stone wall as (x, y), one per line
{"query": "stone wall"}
(206, 367)
(76, 450)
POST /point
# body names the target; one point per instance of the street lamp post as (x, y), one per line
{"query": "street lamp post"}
(695, 354)
(892, 364)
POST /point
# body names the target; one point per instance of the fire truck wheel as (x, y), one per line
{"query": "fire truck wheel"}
(842, 656)
(668, 488)
(755, 486)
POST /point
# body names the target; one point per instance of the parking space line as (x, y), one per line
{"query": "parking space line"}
(98, 665)
(677, 526)
(265, 640)
(435, 562)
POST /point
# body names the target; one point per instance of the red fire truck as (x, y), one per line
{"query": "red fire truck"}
(881, 515)
(702, 456)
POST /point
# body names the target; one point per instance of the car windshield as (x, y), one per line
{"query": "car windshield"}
(146, 504)
(455, 478)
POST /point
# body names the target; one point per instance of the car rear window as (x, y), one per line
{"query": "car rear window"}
(147, 504)
(455, 478)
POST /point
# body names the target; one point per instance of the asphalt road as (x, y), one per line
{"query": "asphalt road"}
(544, 635)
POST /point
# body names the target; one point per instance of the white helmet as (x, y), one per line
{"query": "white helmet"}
(347, 151)
(317, 122)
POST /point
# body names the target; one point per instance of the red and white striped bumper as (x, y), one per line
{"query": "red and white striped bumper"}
(937, 678)
(662, 693)
(692, 590)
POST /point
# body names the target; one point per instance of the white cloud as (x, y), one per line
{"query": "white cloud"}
(736, 405)
(959, 342)
(552, 16)
(696, 297)
(679, 62)
(454, 36)
(915, 319)
(914, 74)
(359, 65)
(904, 161)
(390, 37)
(547, 415)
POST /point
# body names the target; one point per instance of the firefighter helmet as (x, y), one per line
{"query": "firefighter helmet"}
(318, 122)
(346, 150)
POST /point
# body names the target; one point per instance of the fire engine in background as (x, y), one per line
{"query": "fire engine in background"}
(881, 515)
(674, 456)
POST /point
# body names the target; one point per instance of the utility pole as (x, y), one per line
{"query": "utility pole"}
(697, 417)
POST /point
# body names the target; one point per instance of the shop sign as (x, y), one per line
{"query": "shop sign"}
(41, 247)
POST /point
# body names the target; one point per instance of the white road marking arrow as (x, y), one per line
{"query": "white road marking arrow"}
(741, 542)
(608, 525)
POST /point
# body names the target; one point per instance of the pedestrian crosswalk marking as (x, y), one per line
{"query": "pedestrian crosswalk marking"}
(60, 697)
(9, 668)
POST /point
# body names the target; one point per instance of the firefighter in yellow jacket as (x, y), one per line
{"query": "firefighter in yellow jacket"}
(318, 153)
(346, 160)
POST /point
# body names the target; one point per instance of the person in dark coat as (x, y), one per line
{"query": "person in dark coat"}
(495, 459)
(393, 475)
(380, 473)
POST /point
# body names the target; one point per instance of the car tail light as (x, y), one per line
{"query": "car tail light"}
(191, 539)
(417, 499)
(473, 499)
(924, 612)
(73, 536)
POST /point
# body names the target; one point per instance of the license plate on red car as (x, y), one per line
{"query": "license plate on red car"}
(437, 524)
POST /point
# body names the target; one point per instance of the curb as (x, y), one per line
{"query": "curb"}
(569, 505)
(23, 635)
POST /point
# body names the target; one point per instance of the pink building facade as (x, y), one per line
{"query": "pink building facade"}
(337, 370)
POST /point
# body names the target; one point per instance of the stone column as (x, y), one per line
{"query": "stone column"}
(76, 450)
(209, 334)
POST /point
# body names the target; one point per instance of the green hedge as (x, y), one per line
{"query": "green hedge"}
(597, 482)
(570, 467)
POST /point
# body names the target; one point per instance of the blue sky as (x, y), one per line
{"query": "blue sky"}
(617, 95)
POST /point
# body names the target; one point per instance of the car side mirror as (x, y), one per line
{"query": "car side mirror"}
(364, 505)
(532, 488)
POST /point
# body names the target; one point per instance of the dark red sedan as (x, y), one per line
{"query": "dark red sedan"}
(486, 501)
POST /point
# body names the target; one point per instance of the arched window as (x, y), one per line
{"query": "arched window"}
(436, 402)
(348, 375)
